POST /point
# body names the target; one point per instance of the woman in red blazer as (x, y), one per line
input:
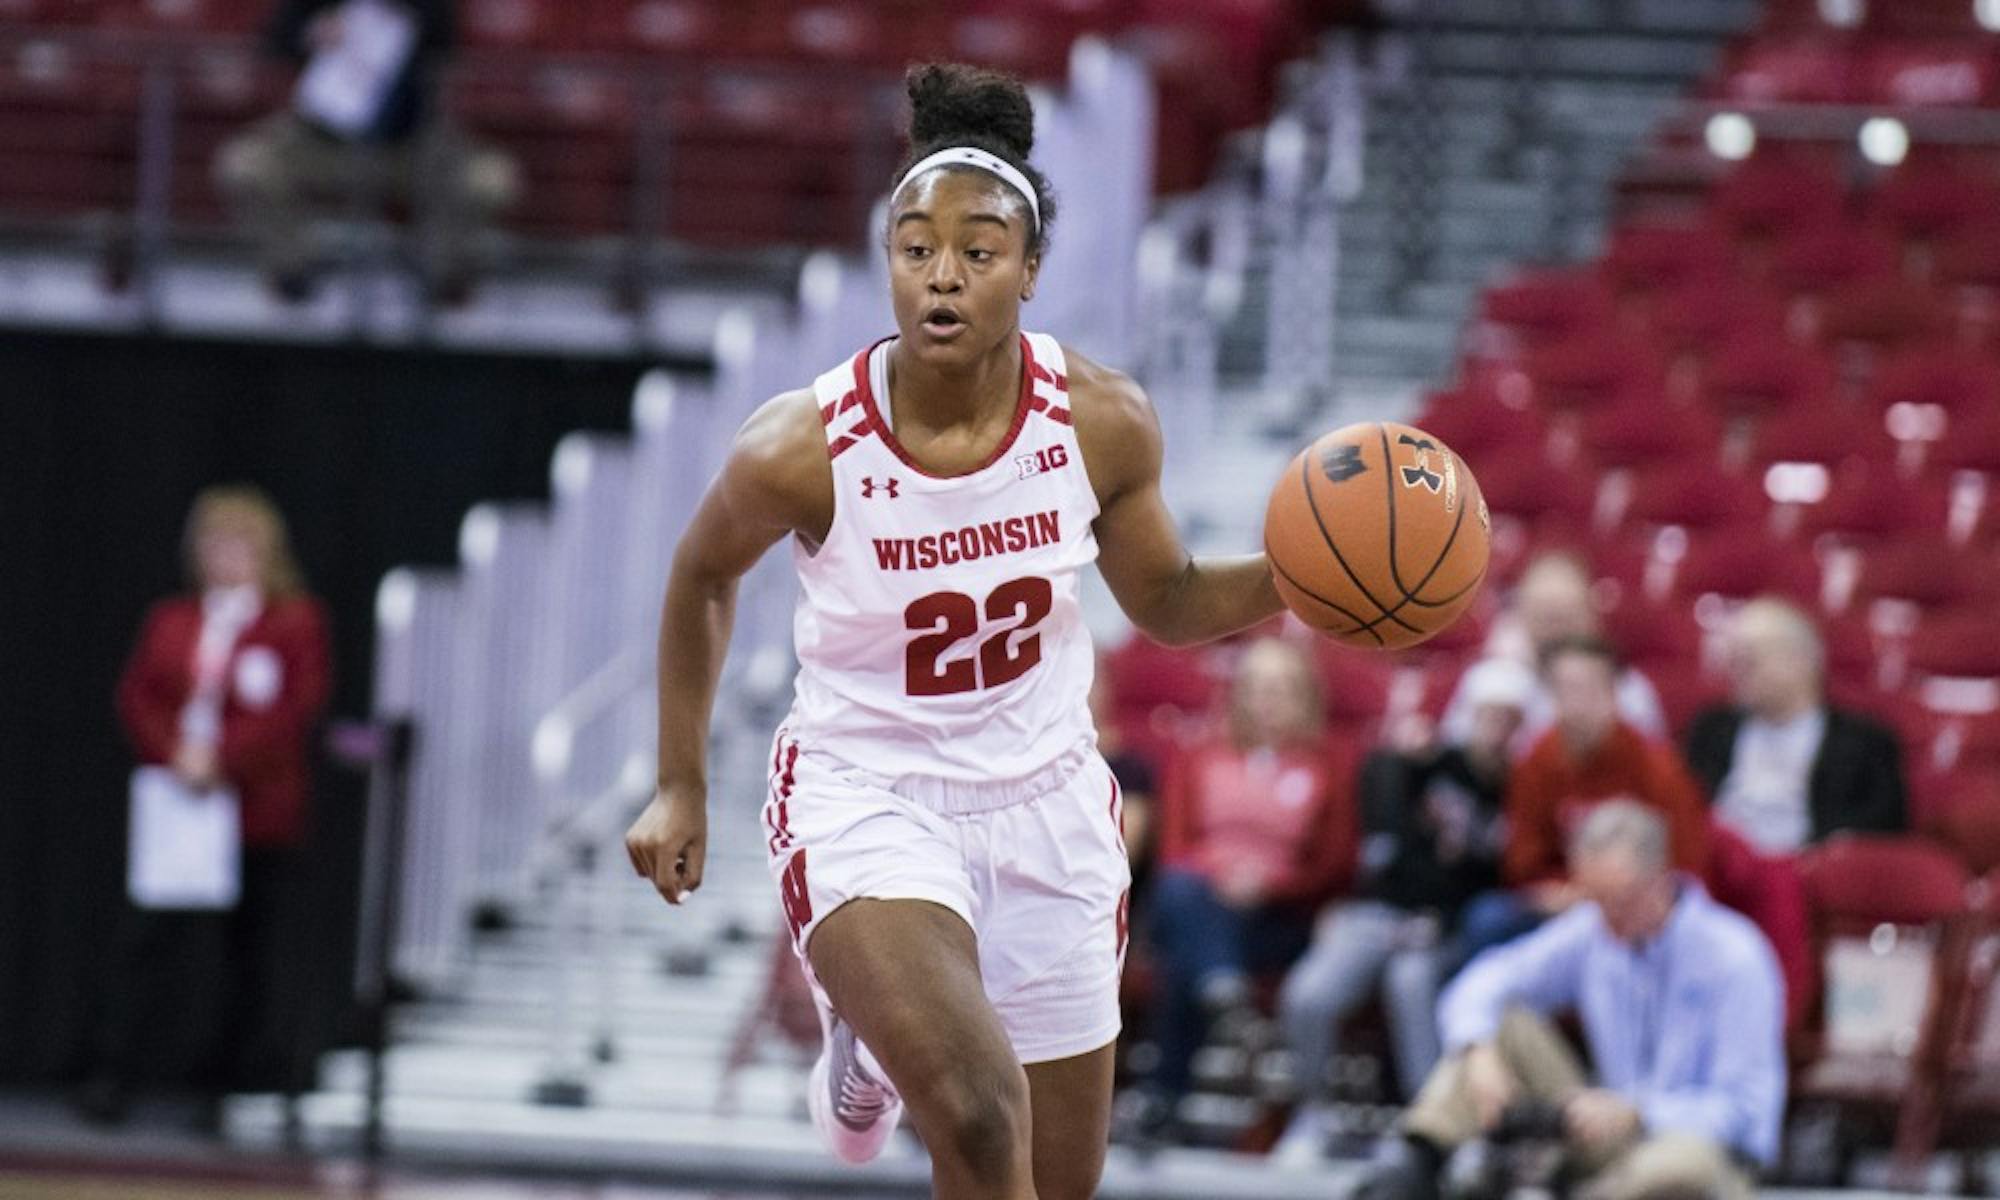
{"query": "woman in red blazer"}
(225, 687)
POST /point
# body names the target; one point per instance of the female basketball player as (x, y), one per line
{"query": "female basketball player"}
(942, 829)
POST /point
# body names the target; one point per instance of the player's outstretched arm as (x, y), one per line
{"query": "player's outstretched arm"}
(1170, 595)
(776, 481)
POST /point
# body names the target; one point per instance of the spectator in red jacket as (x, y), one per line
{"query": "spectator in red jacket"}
(1257, 828)
(1589, 756)
(225, 687)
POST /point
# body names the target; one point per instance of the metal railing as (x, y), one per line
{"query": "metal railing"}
(157, 105)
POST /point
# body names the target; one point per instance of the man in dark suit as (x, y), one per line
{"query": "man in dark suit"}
(1782, 767)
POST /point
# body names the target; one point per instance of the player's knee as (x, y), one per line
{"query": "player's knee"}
(1303, 1001)
(978, 1114)
(1411, 978)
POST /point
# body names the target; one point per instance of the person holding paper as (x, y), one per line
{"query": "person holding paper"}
(363, 126)
(219, 699)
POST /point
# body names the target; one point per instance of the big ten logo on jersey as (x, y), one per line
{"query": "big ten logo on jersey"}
(1049, 458)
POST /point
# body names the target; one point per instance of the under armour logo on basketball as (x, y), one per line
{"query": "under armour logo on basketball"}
(1421, 473)
(869, 487)
(1342, 463)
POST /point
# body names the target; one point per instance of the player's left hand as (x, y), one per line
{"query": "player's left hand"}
(668, 844)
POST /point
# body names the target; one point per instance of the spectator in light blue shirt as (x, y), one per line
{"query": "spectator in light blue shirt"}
(1682, 1009)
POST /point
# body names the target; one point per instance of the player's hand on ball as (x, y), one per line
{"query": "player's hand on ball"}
(669, 842)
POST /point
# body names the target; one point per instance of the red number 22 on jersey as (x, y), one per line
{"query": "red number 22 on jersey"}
(942, 619)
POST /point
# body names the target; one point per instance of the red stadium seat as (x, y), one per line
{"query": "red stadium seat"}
(1868, 503)
(19, 14)
(1810, 67)
(1656, 255)
(1354, 684)
(1970, 259)
(1529, 488)
(1775, 192)
(185, 16)
(853, 34)
(1826, 432)
(69, 130)
(1142, 673)
(1851, 657)
(1823, 257)
(1759, 371)
(516, 25)
(1684, 693)
(1961, 382)
(1967, 818)
(1472, 425)
(1883, 315)
(1927, 570)
(1779, 16)
(1934, 197)
(1640, 429)
(1655, 635)
(1629, 560)
(1872, 1062)
(1970, 444)
(1592, 369)
(1959, 644)
(1694, 498)
(1844, 881)
(1544, 305)
(1701, 317)
(1922, 17)
(1951, 72)
(652, 26)
(1738, 564)
(1160, 698)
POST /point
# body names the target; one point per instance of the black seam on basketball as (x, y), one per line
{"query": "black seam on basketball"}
(1389, 493)
(1395, 572)
(1305, 481)
(1360, 626)
(1444, 603)
(1389, 614)
(1457, 522)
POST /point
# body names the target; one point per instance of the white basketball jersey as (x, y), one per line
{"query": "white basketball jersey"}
(938, 628)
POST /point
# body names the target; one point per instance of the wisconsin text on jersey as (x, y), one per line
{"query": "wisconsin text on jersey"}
(989, 539)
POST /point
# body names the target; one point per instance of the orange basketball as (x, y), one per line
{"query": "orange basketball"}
(1377, 535)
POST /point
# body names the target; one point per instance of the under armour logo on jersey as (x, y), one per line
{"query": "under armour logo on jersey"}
(1421, 473)
(869, 487)
(1342, 463)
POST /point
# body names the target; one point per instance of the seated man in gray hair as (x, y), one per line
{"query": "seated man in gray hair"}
(1682, 1010)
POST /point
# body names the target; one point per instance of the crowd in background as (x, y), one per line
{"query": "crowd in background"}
(1298, 876)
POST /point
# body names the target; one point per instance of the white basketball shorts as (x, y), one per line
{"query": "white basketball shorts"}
(1035, 866)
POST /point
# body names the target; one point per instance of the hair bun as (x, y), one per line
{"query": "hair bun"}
(952, 102)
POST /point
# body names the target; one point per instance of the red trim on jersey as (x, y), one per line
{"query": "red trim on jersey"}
(1059, 415)
(1022, 408)
(777, 810)
(837, 446)
(834, 408)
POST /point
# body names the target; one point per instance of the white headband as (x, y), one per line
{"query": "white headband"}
(973, 156)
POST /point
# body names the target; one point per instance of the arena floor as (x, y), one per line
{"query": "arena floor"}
(93, 1184)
